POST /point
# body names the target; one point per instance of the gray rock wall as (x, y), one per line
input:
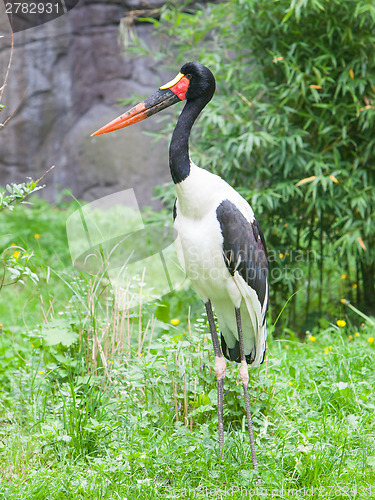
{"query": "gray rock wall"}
(65, 80)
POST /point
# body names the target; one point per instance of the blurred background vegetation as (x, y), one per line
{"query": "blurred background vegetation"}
(292, 128)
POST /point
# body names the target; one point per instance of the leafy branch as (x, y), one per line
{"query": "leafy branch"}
(14, 194)
(15, 260)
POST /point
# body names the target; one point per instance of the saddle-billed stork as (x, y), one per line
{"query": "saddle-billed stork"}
(220, 244)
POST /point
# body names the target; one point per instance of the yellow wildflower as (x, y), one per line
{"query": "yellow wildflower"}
(341, 323)
(350, 337)
(343, 301)
(312, 338)
(281, 255)
(354, 285)
(370, 340)
(36, 236)
(343, 276)
(13, 245)
(41, 372)
(175, 321)
(16, 254)
(290, 383)
(356, 334)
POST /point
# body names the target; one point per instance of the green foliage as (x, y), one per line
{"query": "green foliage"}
(14, 194)
(84, 417)
(40, 228)
(15, 260)
(91, 437)
(58, 331)
(292, 127)
(32, 242)
(98, 401)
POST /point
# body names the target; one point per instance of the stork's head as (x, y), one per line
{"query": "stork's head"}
(194, 82)
(201, 81)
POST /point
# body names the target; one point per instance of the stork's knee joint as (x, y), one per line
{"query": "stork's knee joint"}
(244, 373)
(220, 367)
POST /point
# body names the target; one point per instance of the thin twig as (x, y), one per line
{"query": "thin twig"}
(3, 278)
(149, 322)
(175, 397)
(8, 68)
(15, 111)
(186, 417)
(45, 173)
(151, 334)
(120, 346)
(133, 15)
(140, 313)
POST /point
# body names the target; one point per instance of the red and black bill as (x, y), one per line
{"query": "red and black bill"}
(166, 96)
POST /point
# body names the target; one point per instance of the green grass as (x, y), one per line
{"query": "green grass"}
(90, 438)
(86, 415)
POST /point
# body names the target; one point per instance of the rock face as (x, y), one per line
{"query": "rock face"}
(65, 80)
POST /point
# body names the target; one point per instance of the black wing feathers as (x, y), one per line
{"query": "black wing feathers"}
(244, 248)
